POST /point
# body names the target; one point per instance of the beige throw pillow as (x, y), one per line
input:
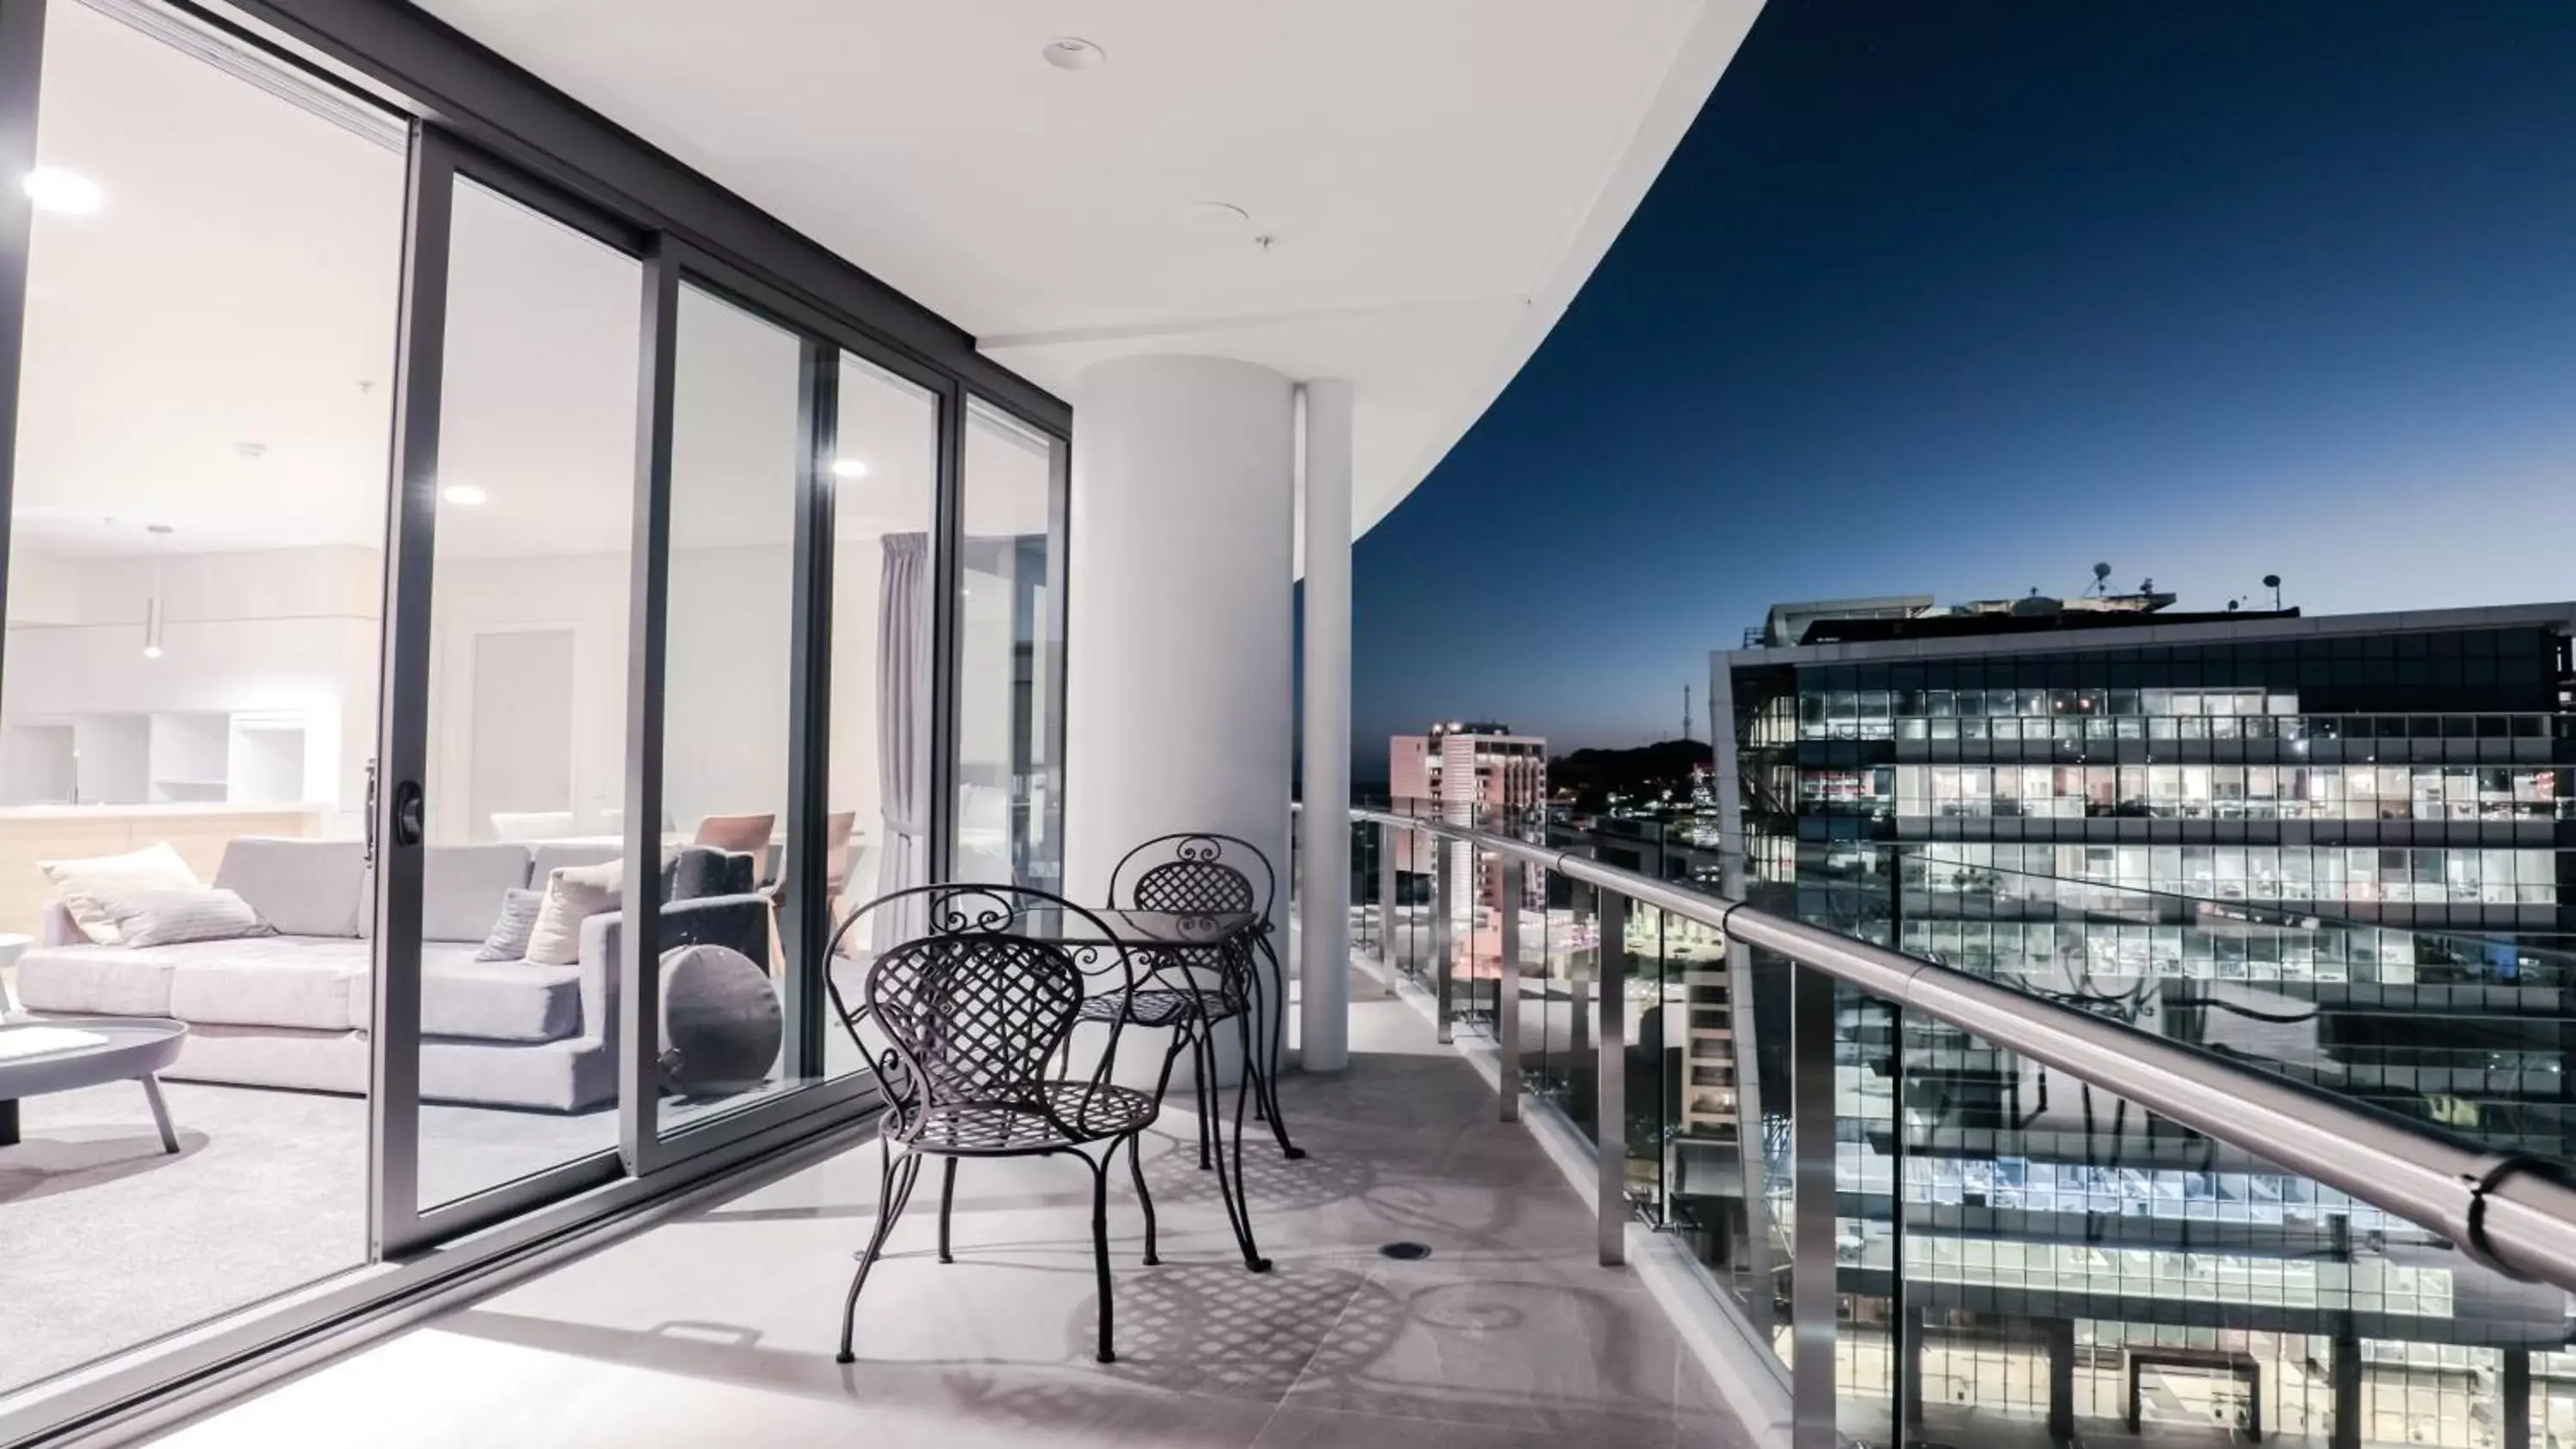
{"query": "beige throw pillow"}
(574, 894)
(84, 885)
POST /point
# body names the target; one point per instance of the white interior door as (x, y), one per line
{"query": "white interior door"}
(519, 748)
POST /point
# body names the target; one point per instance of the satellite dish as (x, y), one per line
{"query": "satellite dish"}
(2101, 571)
(2271, 581)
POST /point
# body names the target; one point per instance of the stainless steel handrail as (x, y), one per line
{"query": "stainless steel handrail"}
(2514, 1212)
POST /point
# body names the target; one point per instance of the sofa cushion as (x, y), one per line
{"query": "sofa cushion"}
(530, 824)
(573, 895)
(462, 887)
(86, 980)
(86, 886)
(495, 1000)
(551, 858)
(299, 887)
(294, 981)
(511, 930)
(165, 918)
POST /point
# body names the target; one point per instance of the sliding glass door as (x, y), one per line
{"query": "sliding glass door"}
(521, 636)
(523, 740)
(195, 512)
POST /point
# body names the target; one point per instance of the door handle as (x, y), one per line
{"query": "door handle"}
(407, 812)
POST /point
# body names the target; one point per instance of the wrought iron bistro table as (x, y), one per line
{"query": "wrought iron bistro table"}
(1194, 970)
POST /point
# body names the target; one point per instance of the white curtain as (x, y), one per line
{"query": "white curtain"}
(903, 748)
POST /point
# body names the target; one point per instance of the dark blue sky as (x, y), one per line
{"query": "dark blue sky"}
(1957, 298)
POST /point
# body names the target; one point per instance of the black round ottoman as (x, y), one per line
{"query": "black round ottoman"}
(721, 1022)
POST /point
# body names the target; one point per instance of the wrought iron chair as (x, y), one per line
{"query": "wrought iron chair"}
(1200, 873)
(968, 1017)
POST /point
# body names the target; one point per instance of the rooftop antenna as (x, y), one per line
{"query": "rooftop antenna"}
(2102, 579)
(2273, 582)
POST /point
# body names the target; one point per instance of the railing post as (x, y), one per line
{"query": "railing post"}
(1440, 906)
(1811, 1247)
(1507, 992)
(1387, 838)
(1610, 1077)
(2514, 1395)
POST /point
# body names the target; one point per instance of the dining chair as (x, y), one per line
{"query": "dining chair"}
(959, 1027)
(749, 833)
(1201, 873)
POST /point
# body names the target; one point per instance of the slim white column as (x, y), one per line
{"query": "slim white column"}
(1179, 703)
(1324, 899)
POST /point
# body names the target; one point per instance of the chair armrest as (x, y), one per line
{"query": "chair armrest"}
(59, 929)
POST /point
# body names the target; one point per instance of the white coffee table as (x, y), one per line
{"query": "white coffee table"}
(13, 945)
(123, 1048)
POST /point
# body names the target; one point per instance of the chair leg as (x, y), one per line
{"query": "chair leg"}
(1266, 1086)
(894, 1193)
(1267, 1028)
(1277, 1043)
(947, 1202)
(1100, 1243)
(1252, 1258)
(1203, 1067)
(1136, 1169)
(1254, 1001)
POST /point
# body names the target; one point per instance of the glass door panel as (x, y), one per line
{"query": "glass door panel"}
(195, 539)
(885, 484)
(525, 773)
(1010, 668)
(738, 443)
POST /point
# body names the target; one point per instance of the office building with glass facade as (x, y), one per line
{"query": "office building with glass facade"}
(2336, 846)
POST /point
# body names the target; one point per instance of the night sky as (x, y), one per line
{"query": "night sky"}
(1958, 298)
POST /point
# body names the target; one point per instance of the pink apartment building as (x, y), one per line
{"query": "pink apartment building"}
(1480, 774)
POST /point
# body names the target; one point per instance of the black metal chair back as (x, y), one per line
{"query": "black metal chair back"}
(969, 1016)
(1195, 873)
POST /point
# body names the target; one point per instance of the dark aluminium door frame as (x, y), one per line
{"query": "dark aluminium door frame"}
(477, 115)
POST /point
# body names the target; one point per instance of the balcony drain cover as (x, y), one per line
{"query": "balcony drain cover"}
(1405, 1252)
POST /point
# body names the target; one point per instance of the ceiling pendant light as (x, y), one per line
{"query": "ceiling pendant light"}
(152, 601)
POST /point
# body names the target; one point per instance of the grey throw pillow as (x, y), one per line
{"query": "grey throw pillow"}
(169, 917)
(509, 938)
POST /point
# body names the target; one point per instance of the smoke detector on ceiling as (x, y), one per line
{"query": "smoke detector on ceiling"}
(1072, 52)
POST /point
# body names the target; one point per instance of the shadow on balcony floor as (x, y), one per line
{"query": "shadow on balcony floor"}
(717, 1328)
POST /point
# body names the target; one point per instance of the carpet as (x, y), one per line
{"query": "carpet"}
(107, 1242)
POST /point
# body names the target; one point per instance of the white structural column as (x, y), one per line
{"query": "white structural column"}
(1179, 704)
(1324, 887)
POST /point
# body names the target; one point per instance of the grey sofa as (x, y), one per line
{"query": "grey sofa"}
(294, 1009)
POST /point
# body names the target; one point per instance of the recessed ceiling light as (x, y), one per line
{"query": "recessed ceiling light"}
(849, 468)
(1215, 216)
(464, 495)
(54, 189)
(1072, 52)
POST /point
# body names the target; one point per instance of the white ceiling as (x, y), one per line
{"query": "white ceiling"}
(212, 350)
(1437, 176)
